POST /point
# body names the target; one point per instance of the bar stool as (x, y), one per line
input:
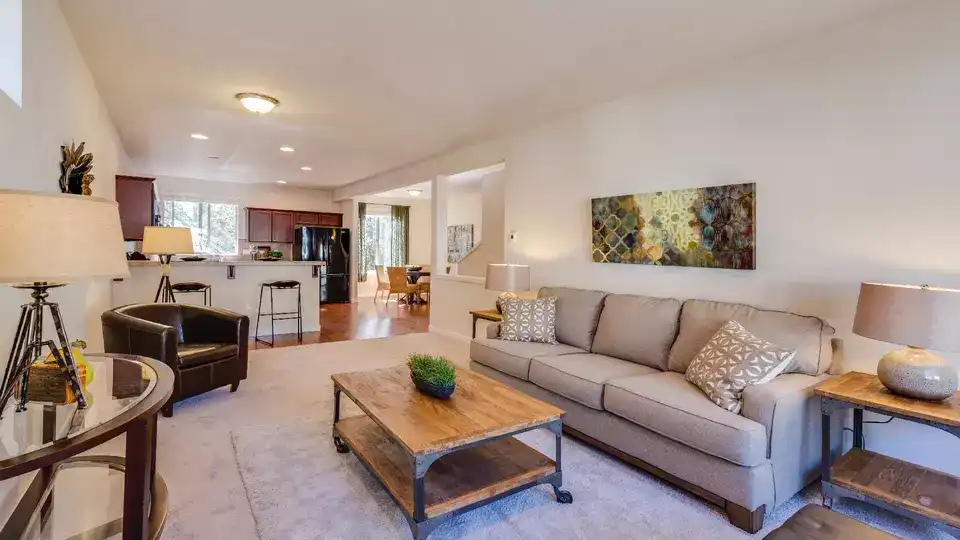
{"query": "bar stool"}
(279, 315)
(195, 287)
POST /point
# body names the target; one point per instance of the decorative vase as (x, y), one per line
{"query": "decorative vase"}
(502, 297)
(430, 389)
(917, 373)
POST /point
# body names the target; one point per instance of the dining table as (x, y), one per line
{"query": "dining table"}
(413, 276)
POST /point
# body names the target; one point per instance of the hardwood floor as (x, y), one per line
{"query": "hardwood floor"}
(364, 319)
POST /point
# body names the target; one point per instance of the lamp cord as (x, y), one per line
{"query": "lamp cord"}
(863, 438)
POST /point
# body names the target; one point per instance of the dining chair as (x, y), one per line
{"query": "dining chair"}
(424, 282)
(383, 284)
(398, 283)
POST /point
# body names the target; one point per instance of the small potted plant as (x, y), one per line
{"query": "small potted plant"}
(432, 375)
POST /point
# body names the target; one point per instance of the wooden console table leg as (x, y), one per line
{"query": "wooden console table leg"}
(138, 478)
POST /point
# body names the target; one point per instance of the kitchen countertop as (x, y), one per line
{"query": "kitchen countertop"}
(138, 264)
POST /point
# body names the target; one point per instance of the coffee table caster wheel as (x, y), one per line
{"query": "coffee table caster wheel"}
(563, 497)
(341, 448)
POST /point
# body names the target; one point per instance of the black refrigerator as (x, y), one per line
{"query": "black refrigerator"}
(332, 246)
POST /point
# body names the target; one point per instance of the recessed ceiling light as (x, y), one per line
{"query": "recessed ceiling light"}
(281, 181)
(415, 192)
(257, 103)
(286, 149)
(306, 168)
(199, 136)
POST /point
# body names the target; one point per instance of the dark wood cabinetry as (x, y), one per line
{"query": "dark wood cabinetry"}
(259, 225)
(283, 227)
(137, 204)
(276, 226)
(307, 218)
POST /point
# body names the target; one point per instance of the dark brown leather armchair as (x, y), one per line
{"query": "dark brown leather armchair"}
(205, 347)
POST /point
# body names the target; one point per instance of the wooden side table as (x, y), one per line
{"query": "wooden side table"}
(928, 496)
(485, 314)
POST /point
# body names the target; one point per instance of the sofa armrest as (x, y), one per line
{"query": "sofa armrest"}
(131, 335)
(790, 410)
(210, 325)
(493, 330)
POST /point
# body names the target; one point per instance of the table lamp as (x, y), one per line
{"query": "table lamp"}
(919, 317)
(166, 242)
(48, 240)
(509, 278)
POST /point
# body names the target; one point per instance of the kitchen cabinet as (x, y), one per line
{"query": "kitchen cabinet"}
(331, 220)
(259, 225)
(137, 204)
(282, 227)
(307, 218)
(274, 226)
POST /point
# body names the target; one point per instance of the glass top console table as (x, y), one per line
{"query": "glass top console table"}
(89, 496)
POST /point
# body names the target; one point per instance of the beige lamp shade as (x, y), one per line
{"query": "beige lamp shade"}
(508, 277)
(167, 240)
(916, 316)
(57, 237)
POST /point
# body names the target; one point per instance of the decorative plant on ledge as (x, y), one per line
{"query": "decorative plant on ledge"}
(432, 375)
(75, 167)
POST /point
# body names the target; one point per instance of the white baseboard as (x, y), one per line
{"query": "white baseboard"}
(449, 333)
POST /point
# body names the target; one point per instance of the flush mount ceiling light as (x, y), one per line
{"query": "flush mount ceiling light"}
(306, 168)
(199, 136)
(286, 149)
(257, 103)
(281, 181)
(415, 192)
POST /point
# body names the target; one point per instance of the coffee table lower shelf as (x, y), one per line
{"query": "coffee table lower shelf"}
(455, 481)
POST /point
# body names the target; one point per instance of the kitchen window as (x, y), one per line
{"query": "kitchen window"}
(214, 225)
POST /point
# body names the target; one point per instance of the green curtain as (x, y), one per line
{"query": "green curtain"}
(400, 244)
(363, 261)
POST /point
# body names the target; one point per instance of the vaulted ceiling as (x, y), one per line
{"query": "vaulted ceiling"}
(369, 85)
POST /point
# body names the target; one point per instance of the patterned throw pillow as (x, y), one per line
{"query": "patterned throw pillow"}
(529, 320)
(734, 359)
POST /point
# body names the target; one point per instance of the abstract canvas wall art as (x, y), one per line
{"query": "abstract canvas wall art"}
(710, 227)
(459, 242)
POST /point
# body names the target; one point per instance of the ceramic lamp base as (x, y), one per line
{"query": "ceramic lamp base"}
(917, 373)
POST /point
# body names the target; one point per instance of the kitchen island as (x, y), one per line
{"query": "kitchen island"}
(236, 287)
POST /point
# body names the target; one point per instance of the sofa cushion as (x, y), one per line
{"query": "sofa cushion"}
(640, 329)
(667, 404)
(580, 377)
(700, 320)
(578, 311)
(195, 354)
(513, 357)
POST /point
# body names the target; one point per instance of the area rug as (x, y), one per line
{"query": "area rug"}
(299, 488)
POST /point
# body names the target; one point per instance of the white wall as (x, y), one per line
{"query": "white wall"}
(465, 207)
(11, 50)
(491, 248)
(60, 104)
(852, 137)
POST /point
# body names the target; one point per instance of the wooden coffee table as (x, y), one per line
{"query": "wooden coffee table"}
(439, 458)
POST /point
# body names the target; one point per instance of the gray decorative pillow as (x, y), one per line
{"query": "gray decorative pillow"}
(734, 359)
(529, 320)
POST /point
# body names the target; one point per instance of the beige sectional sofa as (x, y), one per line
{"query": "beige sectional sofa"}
(618, 372)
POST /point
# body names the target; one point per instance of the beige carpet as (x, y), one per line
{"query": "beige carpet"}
(275, 430)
